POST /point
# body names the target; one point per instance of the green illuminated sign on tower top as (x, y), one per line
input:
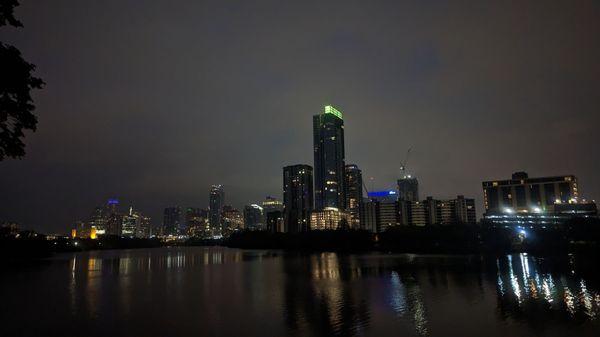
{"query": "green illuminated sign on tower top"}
(331, 110)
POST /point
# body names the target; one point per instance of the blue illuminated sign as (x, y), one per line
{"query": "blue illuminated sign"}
(379, 194)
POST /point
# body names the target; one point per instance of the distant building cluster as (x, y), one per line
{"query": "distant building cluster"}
(109, 219)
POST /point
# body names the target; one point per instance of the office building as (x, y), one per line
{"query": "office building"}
(297, 197)
(254, 218)
(354, 194)
(329, 173)
(532, 201)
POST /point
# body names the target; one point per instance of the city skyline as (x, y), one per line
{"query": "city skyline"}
(136, 111)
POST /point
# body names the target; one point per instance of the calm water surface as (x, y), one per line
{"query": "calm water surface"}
(228, 292)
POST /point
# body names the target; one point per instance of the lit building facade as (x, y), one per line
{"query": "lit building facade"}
(329, 218)
(329, 156)
(297, 197)
(530, 201)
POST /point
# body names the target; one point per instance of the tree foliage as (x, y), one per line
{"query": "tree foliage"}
(16, 83)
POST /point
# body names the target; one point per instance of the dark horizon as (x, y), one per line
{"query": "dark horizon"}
(153, 104)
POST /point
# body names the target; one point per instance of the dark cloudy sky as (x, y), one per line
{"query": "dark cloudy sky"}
(153, 101)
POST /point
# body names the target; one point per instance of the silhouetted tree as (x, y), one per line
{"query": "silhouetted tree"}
(16, 83)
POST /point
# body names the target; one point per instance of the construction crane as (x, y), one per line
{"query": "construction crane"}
(365, 185)
(403, 164)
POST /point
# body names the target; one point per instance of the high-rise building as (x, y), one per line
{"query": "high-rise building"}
(216, 203)
(354, 194)
(408, 188)
(172, 221)
(297, 197)
(528, 201)
(254, 219)
(328, 137)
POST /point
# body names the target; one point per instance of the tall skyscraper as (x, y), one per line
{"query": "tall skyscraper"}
(328, 137)
(297, 197)
(408, 188)
(216, 202)
(172, 221)
(354, 194)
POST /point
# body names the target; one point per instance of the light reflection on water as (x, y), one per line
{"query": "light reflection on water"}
(565, 292)
(153, 291)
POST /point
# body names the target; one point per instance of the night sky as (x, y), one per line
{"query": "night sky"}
(152, 102)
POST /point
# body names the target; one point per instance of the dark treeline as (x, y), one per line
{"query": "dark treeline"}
(577, 235)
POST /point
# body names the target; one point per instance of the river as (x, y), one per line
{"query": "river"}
(214, 291)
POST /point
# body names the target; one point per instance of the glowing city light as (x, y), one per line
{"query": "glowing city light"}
(331, 110)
